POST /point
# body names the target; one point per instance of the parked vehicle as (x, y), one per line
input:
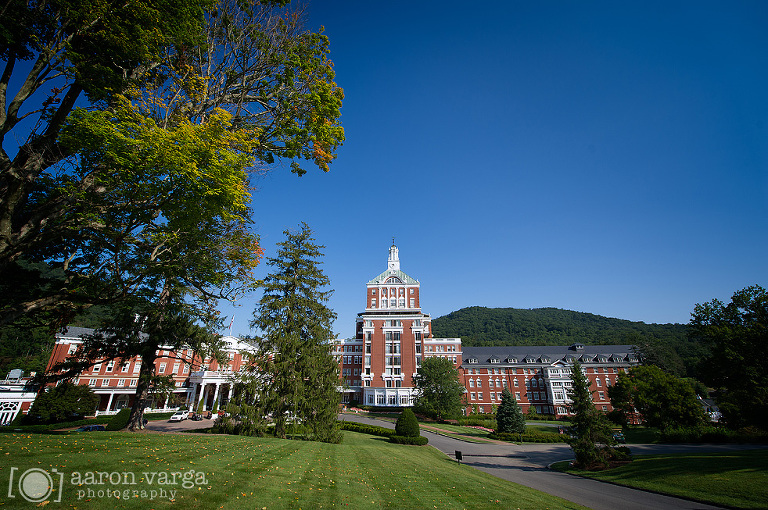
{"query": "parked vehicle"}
(196, 417)
(91, 428)
(179, 416)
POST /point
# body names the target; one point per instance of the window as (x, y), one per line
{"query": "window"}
(72, 348)
(161, 370)
(480, 396)
(472, 395)
(479, 383)
(97, 367)
(133, 383)
(373, 304)
(136, 367)
(175, 368)
(413, 303)
(599, 383)
(490, 383)
(380, 399)
(186, 368)
(605, 408)
(121, 383)
(471, 383)
(105, 382)
(91, 382)
(493, 396)
(125, 366)
(515, 383)
(481, 409)
(517, 395)
(373, 292)
(601, 394)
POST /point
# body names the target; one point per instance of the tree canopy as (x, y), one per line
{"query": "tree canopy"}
(439, 390)
(737, 335)
(135, 128)
(662, 400)
(509, 416)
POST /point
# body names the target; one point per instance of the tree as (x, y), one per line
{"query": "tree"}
(661, 400)
(407, 425)
(64, 402)
(737, 335)
(300, 373)
(509, 416)
(439, 389)
(592, 435)
(184, 98)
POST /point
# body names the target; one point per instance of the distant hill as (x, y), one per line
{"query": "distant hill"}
(666, 344)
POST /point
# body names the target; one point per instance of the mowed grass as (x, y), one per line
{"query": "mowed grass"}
(243, 472)
(737, 479)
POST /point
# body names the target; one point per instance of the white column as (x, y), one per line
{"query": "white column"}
(200, 396)
(109, 402)
(216, 395)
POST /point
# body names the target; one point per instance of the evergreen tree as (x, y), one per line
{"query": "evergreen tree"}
(509, 416)
(591, 431)
(301, 372)
(407, 424)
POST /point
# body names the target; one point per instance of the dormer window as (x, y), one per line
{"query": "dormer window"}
(472, 360)
(494, 360)
(511, 360)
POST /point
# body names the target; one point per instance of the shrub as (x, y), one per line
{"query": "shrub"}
(530, 437)
(120, 420)
(364, 428)
(417, 440)
(64, 402)
(407, 424)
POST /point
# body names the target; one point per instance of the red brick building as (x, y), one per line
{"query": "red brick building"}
(392, 337)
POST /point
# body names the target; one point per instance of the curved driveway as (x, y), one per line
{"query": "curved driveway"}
(527, 465)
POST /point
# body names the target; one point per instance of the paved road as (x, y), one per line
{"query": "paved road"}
(527, 465)
(177, 426)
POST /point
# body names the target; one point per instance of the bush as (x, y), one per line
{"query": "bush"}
(120, 420)
(364, 428)
(407, 424)
(529, 437)
(712, 434)
(417, 440)
(64, 402)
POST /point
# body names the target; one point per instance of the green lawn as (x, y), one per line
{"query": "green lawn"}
(242, 472)
(736, 479)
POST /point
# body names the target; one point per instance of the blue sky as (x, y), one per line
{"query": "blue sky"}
(605, 157)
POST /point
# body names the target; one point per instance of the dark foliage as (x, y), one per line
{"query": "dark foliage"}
(509, 416)
(120, 420)
(364, 428)
(407, 424)
(665, 345)
(418, 440)
(64, 402)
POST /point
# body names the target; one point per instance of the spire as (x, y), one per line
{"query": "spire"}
(394, 259)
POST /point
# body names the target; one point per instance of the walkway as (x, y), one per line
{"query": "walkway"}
(527, 465)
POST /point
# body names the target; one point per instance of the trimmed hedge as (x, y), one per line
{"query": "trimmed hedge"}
(120, 420)
(529, 437)
(418, 441)
(363, 428)
(407, 425)
(712, 434)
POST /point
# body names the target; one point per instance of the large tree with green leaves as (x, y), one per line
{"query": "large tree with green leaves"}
(509, 416)
(64, 402)
(179, 100)
(439, 390)
(737, 335)
(592, 436)
(301, 375)
(662, 400)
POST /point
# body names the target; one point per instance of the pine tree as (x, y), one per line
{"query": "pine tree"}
(509, 416)
(407, 424)
(592, 433)
(301, 372)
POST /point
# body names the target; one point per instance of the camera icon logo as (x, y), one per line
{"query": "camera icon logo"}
(36, 485)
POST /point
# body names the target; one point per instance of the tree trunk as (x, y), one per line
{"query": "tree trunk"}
(136, 421)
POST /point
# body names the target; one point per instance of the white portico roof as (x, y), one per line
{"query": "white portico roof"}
(393, 272)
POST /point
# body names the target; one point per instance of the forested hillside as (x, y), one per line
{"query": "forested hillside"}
(665, 344)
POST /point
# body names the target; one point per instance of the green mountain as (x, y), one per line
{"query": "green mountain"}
(666, 345)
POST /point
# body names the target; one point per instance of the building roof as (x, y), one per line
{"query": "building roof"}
(393, 272)
(548, 354)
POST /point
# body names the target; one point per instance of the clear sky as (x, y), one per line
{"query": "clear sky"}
(606, 157)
